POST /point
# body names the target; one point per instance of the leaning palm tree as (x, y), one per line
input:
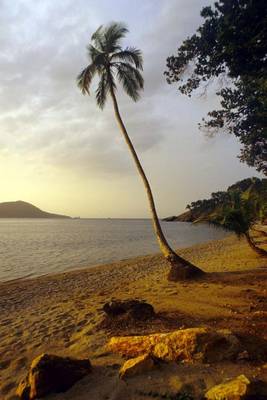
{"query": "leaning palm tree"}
(113, 64)
(239, 217)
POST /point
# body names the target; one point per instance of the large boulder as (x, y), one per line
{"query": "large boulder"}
(193, 344)
(136, 366)
(236, 389)
(51, 374)
(135, 309)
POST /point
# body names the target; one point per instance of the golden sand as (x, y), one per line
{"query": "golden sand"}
(62, 314)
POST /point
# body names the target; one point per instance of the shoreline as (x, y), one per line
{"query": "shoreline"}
(62, 313)
(184, 251)
(60, 253)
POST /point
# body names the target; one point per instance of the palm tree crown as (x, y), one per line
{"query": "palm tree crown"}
(110, 61)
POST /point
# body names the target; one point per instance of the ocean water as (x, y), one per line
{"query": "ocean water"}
(35, 247)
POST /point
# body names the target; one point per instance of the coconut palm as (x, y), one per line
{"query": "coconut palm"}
(114, 64)
(239, 217)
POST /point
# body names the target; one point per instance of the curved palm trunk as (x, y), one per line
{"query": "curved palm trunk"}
(180, 268)
(252, 245)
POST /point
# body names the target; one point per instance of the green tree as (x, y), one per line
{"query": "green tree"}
(231, 43)
(112, 63)
(239, 216)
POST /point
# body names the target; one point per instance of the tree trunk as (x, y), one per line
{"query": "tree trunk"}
(180, 268)
(252, 245)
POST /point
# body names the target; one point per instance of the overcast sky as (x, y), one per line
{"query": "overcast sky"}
(61, 153)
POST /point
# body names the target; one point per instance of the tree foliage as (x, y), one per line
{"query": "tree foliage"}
(231, 43)
(248, 195)
(111, 62)
(238, 215)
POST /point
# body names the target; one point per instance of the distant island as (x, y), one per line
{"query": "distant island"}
(208, 210)
(22, 209)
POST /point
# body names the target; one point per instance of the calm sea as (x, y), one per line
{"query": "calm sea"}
(34, 247)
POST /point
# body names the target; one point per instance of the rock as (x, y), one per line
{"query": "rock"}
(51, 374)
(236, 389)
(136, 366)
(136, 309)
(193, 344)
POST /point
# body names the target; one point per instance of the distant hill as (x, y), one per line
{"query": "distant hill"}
(21, 209)
(207, 210)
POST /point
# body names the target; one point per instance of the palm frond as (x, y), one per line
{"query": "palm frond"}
(98, 38)
(111, 80)
(84, 79)
(97, 57)
(129, 55)
(236, 221)
(106, 83)
(131, 79)
(129, 85)
(232, 220)
(107, 58)
(112, 35)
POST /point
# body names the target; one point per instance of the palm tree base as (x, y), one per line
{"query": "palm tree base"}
(261, 252)
(179, 272)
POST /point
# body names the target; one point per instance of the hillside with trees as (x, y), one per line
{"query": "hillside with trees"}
(250, 193)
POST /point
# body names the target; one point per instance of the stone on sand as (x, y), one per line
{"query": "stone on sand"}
(187, 345)
(136, 366)
(136, 309)
(51, 374)
(236, 389)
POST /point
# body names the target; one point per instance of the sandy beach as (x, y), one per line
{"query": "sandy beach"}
(62, 314)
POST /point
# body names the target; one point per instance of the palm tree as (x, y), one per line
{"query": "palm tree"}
(113, 63)
(239, 217)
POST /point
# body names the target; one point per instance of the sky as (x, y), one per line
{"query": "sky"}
(61, 153)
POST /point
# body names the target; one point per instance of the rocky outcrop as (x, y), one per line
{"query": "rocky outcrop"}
(51, 374)
(187, 345)
(136, 309)
(236, 389)
(136, 366)
(184, 217)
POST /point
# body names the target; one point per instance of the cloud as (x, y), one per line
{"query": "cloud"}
(42, 50)
(44, 117)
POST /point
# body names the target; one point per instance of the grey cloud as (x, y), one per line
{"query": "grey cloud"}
(174, 22)
(43, 115)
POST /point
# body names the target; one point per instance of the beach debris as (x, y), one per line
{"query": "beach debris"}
(136, 366)
(135, 309)
(235, 389)
(185, 345)
(51, 374)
